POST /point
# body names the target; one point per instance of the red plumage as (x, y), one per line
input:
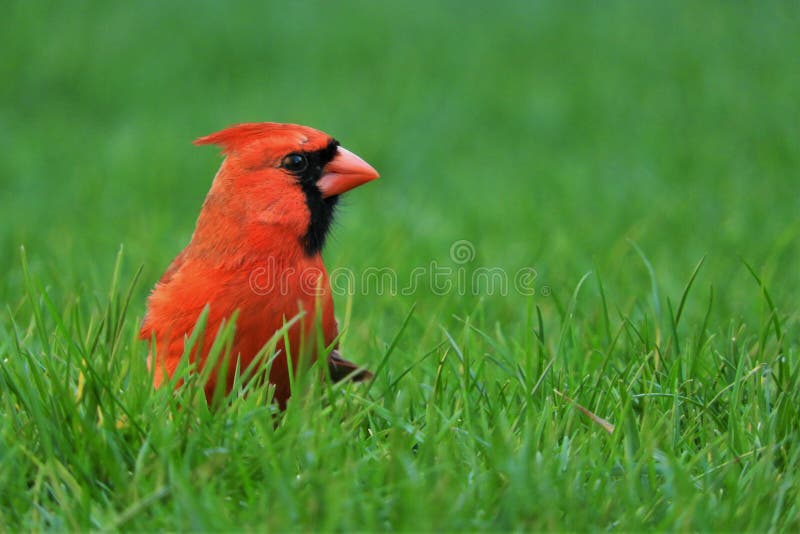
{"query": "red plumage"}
(255, 251)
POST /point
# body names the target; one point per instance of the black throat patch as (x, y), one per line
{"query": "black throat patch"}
(320, 209)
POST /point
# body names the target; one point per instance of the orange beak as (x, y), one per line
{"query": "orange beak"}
(344, 172)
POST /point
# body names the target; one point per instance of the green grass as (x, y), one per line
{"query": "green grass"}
(641, 158)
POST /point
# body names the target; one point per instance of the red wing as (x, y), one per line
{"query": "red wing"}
(176, 264)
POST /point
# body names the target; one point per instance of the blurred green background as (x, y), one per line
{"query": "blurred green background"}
(548, 134)
(627, 139)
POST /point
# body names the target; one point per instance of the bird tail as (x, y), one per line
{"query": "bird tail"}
(341, 369)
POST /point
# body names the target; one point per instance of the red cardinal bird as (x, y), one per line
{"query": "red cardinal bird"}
(256, 250)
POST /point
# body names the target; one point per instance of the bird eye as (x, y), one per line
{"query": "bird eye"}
(295, 163)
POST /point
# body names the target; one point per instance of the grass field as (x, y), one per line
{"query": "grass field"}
(637, 162)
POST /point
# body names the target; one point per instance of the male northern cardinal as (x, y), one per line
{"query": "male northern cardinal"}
(256, 251)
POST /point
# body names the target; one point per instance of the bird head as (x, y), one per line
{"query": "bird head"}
(285, 176)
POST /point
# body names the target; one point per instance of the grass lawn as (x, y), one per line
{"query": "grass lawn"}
(607, 194)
